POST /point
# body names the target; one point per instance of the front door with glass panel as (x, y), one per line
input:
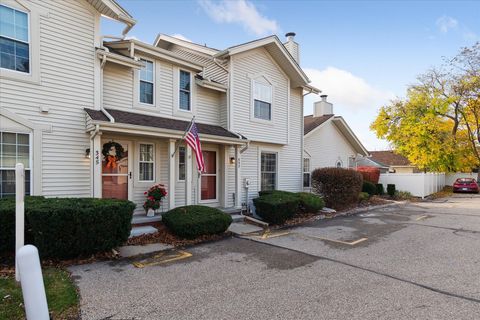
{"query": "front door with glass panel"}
(116, 174)
(208, 181)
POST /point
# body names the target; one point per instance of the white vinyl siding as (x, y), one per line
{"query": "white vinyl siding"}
(257, 65)
(147, 82)
(328, 147)
(146, 163)
(14, 39)
(66, 39)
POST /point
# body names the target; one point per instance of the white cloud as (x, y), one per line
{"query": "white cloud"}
(241, 12)
(445, 23)
(347, 90)
(181, 37)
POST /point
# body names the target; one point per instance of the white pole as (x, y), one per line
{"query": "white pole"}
(33, 289)
(19, 212)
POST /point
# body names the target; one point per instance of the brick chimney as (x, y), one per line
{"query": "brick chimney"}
(292, 46)
(322, 107)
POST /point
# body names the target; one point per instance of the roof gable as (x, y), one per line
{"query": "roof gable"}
(389, 158)
(310, 122)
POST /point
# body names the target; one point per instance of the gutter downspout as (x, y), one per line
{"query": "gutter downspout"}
(108, 115)
(93, 134)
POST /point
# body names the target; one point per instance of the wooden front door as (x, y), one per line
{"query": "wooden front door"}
(116, 166)
(208, 181)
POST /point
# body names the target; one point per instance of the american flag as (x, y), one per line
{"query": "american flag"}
(193, 140)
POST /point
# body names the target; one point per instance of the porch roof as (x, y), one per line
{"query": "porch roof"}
(144, 120)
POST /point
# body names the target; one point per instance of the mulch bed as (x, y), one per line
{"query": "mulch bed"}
(165, 236)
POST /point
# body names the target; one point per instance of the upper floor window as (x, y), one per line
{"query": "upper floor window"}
(14, 40)
(147, 82)
(14, 148)
(262, 101)
(184, 93)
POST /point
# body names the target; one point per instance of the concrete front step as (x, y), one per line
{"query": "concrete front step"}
(138, 231)
(140, 218)
(241, 228)
(238, 217)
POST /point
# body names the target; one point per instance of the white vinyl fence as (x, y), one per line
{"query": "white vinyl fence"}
(418, 184)
(451, 177)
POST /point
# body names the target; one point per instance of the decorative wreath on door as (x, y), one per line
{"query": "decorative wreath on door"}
(112, 158)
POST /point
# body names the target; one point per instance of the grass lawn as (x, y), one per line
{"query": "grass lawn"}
(62, 296)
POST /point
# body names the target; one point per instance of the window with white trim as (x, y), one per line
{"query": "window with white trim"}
(306, 173)
(262, 101)
(268, 171)
(184, 91)
(147, 83)
(14, 40)
(14, 148)
(146, 162)
(181, 163)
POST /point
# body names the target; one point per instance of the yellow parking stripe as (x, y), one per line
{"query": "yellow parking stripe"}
(421, 218)
(162, 258)
(351, 243)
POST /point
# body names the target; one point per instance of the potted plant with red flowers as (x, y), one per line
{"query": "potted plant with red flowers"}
(154, 196)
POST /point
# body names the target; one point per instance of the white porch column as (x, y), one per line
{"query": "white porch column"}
(188, 176)
(238, 179)
(96, 156)
(224, 176)
(171, 174)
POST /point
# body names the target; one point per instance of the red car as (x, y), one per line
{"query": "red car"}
(465, 185)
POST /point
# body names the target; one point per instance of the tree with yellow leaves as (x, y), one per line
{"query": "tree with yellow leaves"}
(437, 125)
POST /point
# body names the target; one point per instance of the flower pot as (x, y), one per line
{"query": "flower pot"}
(150, 212)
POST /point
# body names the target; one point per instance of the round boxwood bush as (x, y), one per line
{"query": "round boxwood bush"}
(276, 207)
(363, 196)
(194, 221)
(369, 188)
(380, 189)
(391, 190)
(310, 202)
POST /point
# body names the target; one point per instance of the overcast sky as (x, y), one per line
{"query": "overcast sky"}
(360, 53)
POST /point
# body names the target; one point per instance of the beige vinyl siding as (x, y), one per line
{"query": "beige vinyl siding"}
(257, 63)
(211, 71)
(67, 56)
(208, 106)
(327, 145)
(117, 86)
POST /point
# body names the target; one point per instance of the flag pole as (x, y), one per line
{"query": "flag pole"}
(183, 138)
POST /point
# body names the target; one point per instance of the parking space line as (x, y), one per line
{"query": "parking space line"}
(162, 258)
(421, 218)
(351, 243)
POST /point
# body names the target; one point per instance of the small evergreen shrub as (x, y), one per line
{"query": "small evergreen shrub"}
(391, 190)
(68, 227)
(194, 221)
(380, 189)
(369, 188)
(363, 196)
(276, 207)
(339, 187)
(309, 202)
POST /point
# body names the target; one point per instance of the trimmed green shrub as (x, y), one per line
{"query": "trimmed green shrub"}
(339, 187)
(277, 207)
(193, 221)
(369, 188)
(309, 202)
(380, 189)
(72, 227)
(363, 196)
(391, 190)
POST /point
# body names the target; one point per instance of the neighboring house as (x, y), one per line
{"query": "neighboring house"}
(71, 103)
(329, 141)
(389, 161)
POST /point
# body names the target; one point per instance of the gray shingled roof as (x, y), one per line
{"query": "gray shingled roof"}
(311, 122)
(158, 122)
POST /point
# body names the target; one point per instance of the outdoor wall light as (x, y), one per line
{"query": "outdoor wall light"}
(232, 160)
(87, 153)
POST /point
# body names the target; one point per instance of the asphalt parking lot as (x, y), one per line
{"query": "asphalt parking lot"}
(413, 261)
